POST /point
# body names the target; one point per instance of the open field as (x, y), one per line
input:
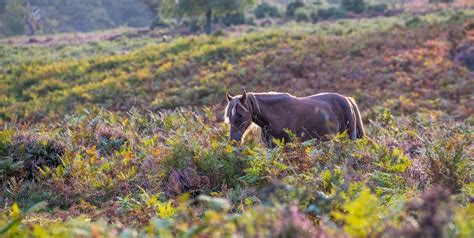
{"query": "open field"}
(124, 135)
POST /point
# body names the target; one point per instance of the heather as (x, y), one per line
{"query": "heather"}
(133, 144)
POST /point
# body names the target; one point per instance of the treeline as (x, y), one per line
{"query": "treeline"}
(31, 17)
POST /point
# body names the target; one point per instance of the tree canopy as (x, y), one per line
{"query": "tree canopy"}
(19, 17)
(200, 8)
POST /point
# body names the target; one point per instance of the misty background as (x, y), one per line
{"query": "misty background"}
(39, 17)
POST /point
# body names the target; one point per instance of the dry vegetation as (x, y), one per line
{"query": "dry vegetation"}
(129, 144)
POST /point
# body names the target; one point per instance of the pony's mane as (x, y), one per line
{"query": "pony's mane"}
(265, 96)
(270, 94)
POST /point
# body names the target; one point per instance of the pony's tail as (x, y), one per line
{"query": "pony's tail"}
(360, 132)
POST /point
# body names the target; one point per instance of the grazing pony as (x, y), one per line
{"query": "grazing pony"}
(312, 117)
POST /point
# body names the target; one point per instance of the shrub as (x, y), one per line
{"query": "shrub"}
(376, 9)
(266, 10)
(448, 163)
(192, 25)
(219, 33)
(413, 22)
(158, 23)
(362, 215)
(237, 18)
(292, 7)
(109, 139)
(301, 16)
(33, 151)
(294, 223)
(440, 1)
(429, 215)
(332, 13)
(314, 17)
(5, 142)
(186, 181)
(14, 18)
(250, 21)
(355, 6)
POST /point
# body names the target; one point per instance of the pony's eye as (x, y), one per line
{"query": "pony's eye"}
(239, 115)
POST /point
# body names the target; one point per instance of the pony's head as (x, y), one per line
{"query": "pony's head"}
(238, 115)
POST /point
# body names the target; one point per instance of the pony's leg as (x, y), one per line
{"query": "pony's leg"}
(350, 118)
(352, 124)
(267, 138)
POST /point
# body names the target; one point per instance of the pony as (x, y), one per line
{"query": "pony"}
(277, 114)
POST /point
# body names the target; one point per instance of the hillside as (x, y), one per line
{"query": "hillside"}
(124, 135)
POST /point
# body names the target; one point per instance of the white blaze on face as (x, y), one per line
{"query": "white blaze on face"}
(232, 112)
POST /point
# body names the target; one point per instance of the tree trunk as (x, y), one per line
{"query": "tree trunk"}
(31, 29)
(209, 21)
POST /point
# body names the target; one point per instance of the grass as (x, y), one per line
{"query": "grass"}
(134, 144)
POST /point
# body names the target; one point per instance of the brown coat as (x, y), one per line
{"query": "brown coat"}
(312, 117)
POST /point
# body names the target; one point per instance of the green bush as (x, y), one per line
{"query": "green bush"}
(266, 10)
(292, 7)
(447, 161)
(376, 8)
(13, 19)
(332, 13)
(233, 19)
(35, 151)
(440, 1)
(192, 25)
(356, 6)
(158, 22)
(301, 16)
(413, 22)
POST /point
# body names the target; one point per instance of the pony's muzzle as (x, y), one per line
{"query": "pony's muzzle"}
(236, 136)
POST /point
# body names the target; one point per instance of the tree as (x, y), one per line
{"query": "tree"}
(396, 3)
(2, 6)
(33, 18)
(154, 5)
(199, 8)
(291, 7)
(440, 1)
(355, 6)
(13, 20)
(266, 10)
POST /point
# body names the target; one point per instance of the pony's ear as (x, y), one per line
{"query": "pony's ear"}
(229, 98)
(244, 97)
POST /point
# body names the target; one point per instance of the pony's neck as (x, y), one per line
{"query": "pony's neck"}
(259, 104)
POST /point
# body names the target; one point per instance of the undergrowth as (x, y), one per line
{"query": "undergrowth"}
(96, 143)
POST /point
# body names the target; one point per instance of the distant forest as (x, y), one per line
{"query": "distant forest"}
(33, 17)
(18, 17)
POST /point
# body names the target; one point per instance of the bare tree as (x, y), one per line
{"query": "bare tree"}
(33, 17)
